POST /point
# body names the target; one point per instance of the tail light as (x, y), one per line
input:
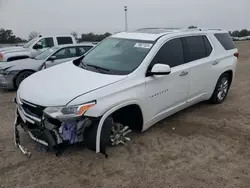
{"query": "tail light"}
(1, 56)
(236, 54)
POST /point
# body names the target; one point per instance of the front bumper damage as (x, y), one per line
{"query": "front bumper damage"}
(17, 136)
(53, 135)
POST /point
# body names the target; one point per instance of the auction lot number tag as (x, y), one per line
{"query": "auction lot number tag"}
(143, 45)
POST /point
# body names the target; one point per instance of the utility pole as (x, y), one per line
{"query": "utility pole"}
(126, 18)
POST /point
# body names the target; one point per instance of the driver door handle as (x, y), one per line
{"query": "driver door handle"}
(215, 62)
(183, 73)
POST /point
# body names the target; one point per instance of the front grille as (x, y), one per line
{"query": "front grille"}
(32, 109)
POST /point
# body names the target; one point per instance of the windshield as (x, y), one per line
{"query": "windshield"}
(28, 44)
(44, 55)
(118, 56)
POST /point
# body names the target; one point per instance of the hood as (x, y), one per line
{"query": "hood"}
(22, 64)
(11, 49)
(60, 84)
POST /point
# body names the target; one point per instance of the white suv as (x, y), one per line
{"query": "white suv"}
(129, 81)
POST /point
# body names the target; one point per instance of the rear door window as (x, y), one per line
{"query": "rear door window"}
(64, 40)
(225, 40)
(46, 42)
(194, 48)
(171, 53)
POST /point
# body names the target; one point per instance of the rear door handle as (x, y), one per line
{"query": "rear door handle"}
(215, 62)
(183, 73)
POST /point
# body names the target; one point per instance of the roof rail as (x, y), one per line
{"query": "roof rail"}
(200, 29)
(190, 29)
(157, 28)
(203, 29)
(163, 29)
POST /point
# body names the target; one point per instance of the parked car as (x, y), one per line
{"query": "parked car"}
(13, 73)
(241, 38)
(129, 81)
(34, 47)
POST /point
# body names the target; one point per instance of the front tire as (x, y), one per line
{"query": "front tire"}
(221, 89)
(112, 134)
(90, 135)
(21, 76)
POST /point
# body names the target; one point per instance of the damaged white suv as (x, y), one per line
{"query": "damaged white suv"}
(129, 81)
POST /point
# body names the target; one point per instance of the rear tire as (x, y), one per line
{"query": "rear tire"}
(21, 76)
(221, 89)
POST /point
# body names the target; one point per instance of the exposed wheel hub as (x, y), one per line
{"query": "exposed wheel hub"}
(223, 88)
(118, 134)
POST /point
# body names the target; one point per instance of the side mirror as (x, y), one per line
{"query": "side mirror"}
(37, 46)
(159, 69)
(52, 58)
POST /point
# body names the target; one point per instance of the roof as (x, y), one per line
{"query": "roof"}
(152, 34)
(60, 35)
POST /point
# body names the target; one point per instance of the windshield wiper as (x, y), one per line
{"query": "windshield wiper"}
(98, 68)
(82, 65)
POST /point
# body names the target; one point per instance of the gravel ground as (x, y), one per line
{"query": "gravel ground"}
(209, 147)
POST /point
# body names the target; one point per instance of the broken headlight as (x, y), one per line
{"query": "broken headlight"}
(68, 112)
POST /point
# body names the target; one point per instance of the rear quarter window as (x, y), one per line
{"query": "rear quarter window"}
(64, 40)
(225, 40)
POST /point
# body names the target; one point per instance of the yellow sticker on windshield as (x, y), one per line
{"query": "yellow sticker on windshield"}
(143, 45)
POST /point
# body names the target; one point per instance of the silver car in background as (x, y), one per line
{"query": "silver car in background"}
(14, 72)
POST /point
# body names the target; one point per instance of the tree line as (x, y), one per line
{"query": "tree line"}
(236, 33)
(7, 35)
(241, 33)
(90, 37)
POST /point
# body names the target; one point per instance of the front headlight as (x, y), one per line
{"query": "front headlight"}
(1, 57)
(14, 72)
(6, 71)
(68, 111)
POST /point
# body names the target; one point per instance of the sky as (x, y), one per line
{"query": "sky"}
(51, 17)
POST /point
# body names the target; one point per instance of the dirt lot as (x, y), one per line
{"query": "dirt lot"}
(209, 147)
